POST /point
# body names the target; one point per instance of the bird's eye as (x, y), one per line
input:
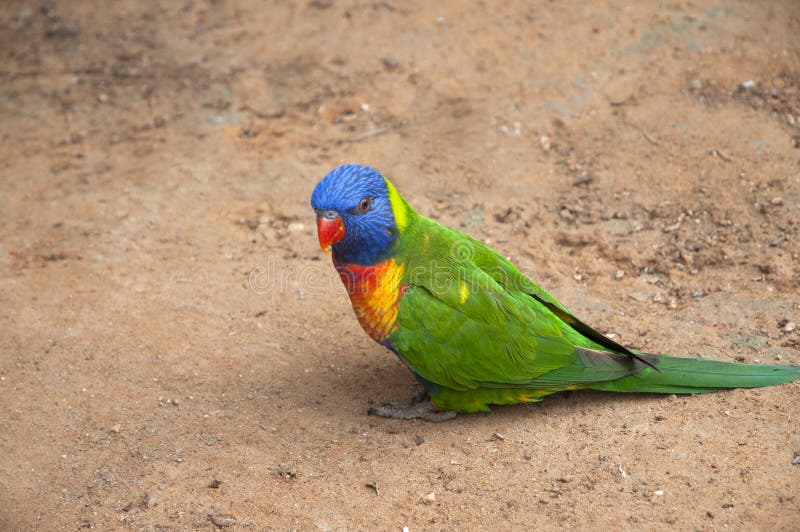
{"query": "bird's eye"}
(365, 204)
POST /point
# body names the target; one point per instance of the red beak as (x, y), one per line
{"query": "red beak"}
(329, 231)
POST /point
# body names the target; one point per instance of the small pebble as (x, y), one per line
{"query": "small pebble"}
(222, 520)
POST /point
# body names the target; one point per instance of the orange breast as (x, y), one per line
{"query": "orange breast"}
(375, 293)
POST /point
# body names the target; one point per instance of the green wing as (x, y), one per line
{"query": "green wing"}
(469, 319)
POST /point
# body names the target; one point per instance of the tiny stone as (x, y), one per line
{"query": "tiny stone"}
(390, 63)
(790, 326)
(222, 520)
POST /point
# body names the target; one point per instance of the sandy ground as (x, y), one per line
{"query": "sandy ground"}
(176, 353)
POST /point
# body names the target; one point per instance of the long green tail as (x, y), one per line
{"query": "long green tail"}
(699, 375)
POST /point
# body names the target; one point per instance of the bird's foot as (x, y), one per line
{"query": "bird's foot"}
(424, 411)
(419, 397)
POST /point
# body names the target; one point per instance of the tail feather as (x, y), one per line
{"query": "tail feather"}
(699, 375)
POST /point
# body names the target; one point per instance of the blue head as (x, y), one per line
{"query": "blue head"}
(354, 214)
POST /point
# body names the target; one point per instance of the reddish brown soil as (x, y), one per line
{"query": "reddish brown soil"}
(176, 353)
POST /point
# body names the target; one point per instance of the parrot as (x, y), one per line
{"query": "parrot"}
(469, 325)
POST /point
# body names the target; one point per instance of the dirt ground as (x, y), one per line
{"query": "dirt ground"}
(176, 352)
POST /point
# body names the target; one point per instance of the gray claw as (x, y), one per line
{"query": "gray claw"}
(419, 397)
(418, 411)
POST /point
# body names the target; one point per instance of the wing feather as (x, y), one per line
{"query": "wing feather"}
(472, 320)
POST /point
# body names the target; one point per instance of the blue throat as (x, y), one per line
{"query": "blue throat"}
(367, 247)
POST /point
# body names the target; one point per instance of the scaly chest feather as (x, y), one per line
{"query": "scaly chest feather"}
(375, 293)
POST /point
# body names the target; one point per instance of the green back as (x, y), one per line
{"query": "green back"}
(469, 319)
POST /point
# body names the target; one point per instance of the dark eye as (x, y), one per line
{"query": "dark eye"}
(365, 204)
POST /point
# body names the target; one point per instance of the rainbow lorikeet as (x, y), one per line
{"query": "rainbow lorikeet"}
(472, 328)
